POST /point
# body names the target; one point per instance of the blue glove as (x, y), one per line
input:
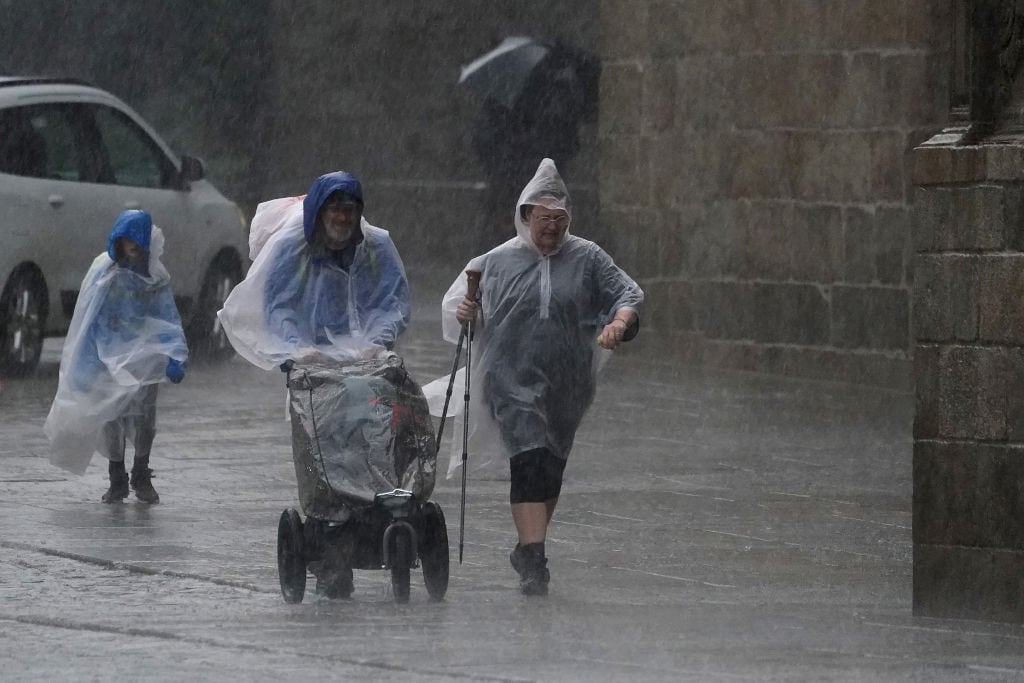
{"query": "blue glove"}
(175, 370)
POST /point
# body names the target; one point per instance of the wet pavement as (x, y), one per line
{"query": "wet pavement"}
(713, 526)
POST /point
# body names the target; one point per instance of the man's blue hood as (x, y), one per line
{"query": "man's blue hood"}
(320, 190)
(135, 225)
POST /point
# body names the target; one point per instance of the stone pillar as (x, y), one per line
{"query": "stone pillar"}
(968, 469)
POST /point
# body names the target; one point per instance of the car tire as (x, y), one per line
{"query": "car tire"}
(23, 312)
(207, 339)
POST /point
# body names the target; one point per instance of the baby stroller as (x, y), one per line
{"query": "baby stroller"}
(365, 455)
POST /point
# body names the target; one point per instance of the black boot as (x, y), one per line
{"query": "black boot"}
(118, 490)
(532, 566)
(142, 483)
(333, 569)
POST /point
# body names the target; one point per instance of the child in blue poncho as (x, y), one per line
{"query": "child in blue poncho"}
(125, 337)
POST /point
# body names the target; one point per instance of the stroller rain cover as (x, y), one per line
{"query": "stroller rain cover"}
(358, 429)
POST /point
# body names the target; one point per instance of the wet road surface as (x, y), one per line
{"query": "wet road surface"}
(713, 527)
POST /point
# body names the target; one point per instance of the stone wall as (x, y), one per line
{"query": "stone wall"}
(374, 91)
(969, 369)
(753, 175)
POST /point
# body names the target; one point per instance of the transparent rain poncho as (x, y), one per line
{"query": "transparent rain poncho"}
(358, 430)
(535, 356)
(295, 304)
(124, 329)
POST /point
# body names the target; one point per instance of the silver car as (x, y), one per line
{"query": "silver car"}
(72, 157)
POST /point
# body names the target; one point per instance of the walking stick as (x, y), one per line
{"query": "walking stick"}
(473, 277)
(451, 383)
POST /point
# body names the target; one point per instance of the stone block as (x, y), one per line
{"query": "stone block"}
(971, 217)
(955, 582)
(1004, 162)
(622, 29)
(684, 166)
(648, 246)
(968, 493)
(867, 24)
(673, 245)
(673, 29)
(810, 95)
(814, 243)
(892, 241)
(889, 157)
(762, 165)
(1000, 279)
(810, 363)
(931, 212)
(659, 97)
(711, 91)
(619, 174)
(927, 409)
(1014, 396)
(789, 314)
(980, 222)
(926, 25)
(946, 298)
(943, 165)
(1013, 216)
(915, 89)
(972, 390)
(832, 166)
(621, 98)
(858, 245)
(724, 309)
(870, 318)
(716, 249)
(763, 228)
(669, 307)
(863, 99)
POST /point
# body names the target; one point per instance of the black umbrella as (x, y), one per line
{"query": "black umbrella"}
(504, 72)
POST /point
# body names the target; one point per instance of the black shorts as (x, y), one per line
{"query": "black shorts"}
(536, 476)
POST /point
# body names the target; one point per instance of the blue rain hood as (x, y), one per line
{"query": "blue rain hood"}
(136, 225)
(318, 193)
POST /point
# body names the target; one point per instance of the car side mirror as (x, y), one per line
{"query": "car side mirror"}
(191, 169)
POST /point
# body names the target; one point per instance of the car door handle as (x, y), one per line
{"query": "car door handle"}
(55, 200)
(131, 204)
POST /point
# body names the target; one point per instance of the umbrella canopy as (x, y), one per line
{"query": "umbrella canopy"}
(503, 72)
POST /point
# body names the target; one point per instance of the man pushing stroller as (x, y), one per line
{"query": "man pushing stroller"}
(325, 287)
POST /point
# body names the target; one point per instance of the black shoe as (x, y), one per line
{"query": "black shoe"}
(118, 490)
(335, 587)
(516, 558)
(532, 566)
(142, 482)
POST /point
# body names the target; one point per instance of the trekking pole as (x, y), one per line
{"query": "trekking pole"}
(473, 277)
(451, 383)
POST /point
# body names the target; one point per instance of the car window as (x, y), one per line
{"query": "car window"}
(134, 158)
(40, 141)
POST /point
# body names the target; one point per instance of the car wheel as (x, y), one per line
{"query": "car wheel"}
(208, 339)
(22, 323)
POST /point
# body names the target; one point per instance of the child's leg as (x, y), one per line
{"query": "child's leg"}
(144, 423)
(144, 432)
(113, 448)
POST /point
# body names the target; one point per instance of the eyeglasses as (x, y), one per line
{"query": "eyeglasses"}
(559, 221)
(342, 207)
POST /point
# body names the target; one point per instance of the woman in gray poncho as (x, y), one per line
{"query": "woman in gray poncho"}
(549, 302)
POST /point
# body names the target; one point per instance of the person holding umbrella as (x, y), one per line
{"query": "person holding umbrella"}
(550, 306)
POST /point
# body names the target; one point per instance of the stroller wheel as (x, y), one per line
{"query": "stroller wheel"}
(434, 551)
(402, 556)
(291, 560)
